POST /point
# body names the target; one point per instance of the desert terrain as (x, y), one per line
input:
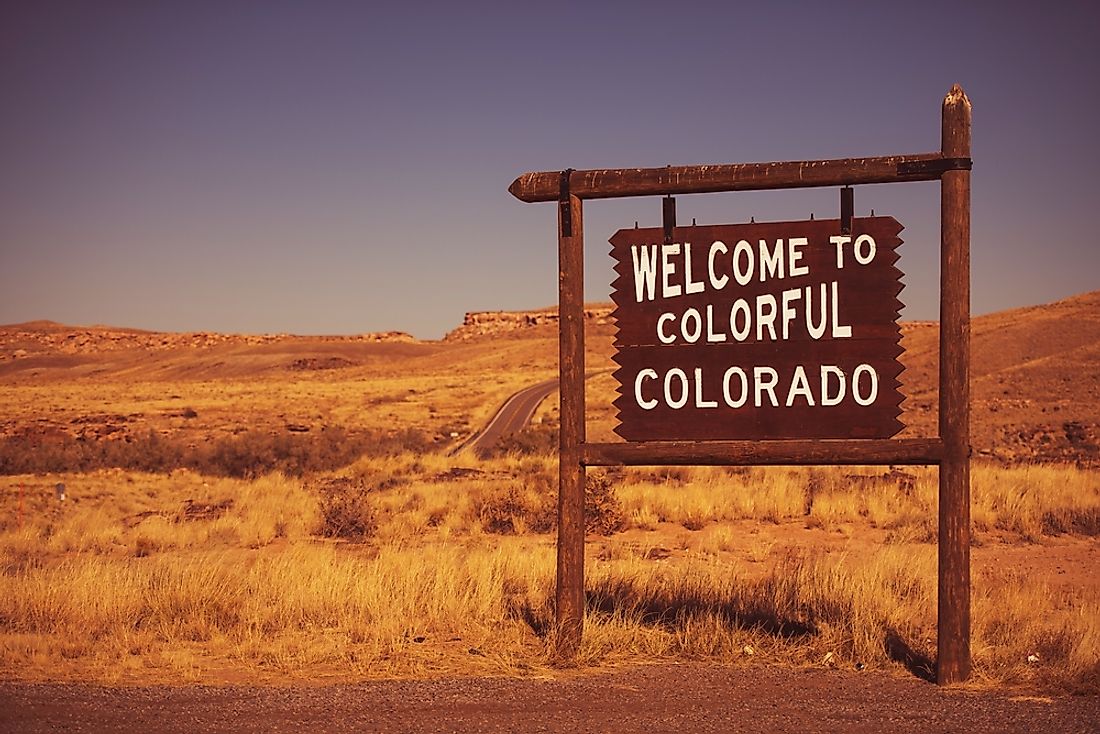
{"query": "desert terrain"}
(270, 510)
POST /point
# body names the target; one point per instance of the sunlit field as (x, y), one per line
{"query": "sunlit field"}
(294, 512)
(422, 564)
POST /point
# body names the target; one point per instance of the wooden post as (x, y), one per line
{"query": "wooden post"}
(953, 639)
(569, 596)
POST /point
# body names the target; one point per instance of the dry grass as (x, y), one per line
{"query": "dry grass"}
(356, 560)
(238, 411)
(188, 577)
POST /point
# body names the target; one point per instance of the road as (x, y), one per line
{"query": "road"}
(690, 697)
(511, 417)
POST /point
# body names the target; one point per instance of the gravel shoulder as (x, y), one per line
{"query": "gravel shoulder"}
(693, 697)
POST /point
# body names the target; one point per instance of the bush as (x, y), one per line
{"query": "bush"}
(346, 510)
(516, 510)
(534, 440)
(248, 455)
(535, 508)
(603, 514)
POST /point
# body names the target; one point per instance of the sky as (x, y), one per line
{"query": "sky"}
(342, 167)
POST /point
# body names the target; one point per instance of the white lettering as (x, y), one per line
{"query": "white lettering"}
(826, 398)
(771, 264)
(715, 282)
(713, 337)
(758, 374)
(861, 399)
(689, 386)
(765, 317)
(839, 331)
(800, 386)
(690, 286)
(817, 330)
(668, 268)
(645, 271)
(691, 333)
(699, 402)
(661, 321)
(789, 296)
(744, 387)
(680, 375)
(740, 306)
(642, 402)
(794, 256)
(743, 276)
(840, 240)
(857, 250)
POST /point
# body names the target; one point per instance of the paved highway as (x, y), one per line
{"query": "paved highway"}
(512, 417)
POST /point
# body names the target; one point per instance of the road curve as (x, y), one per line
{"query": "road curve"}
(511, 417)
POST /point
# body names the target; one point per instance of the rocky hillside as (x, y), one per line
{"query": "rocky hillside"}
(490, 323)
(18, 341)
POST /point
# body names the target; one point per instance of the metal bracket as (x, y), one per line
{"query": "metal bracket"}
(938, 166)
(565, 207)
(847, 207)
(668, 217)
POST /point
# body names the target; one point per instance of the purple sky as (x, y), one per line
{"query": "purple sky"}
(331, 167)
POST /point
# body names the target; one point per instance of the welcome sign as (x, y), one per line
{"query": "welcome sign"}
(776, 330)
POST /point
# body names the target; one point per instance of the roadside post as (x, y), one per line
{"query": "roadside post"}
(767, 344)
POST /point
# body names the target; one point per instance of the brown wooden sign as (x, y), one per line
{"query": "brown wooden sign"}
(779, 330)
(666, 328)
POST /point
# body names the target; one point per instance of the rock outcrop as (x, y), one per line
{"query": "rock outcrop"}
(482, 323)
(23, 340)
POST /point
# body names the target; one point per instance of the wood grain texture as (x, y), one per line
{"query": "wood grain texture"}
(914, 451)
(613, 183)
(953, 642)
(569, 592)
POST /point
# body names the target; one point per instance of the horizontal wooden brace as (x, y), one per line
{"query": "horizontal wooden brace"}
(621, 182)
(870, 452)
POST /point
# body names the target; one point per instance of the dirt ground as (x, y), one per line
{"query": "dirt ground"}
(647, 700)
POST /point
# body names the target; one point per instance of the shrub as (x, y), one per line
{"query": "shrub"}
(603, 514)
(534, 508)
(346, 510)
(515, 510)
(244, 456)
(535, 440)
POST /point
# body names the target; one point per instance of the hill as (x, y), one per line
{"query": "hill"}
(1035, 380)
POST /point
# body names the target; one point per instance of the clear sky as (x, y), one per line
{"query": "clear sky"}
(342, 167)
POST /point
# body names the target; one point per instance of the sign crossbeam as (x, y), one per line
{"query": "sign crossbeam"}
(911, 451)
(613, 183)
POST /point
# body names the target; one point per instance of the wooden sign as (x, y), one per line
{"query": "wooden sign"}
(779, 330)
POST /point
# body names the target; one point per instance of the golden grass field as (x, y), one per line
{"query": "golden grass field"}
(417, 563)
(140, 577)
